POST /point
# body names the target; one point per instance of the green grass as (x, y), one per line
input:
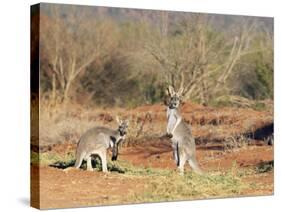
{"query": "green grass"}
(49, 158)
(128, 169)
(190, 186)
(168, 185)
(165, 184)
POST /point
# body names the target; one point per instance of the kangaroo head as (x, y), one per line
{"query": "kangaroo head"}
(122, 129)
(122, 126)
(173, 98)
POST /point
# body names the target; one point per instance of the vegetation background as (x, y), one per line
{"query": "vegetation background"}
(126, 57)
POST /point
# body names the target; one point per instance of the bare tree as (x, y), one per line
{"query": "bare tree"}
(71, 42)
(83, 48)
(196, 57)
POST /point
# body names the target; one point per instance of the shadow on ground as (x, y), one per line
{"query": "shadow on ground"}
(96, 164)
(265, 166)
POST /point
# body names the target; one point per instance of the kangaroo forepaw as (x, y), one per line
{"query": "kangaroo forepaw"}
(169, 135)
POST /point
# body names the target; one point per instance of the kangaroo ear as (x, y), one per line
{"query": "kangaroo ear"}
(118, 120)
(127, 122)
(171, 90)
(180, 91)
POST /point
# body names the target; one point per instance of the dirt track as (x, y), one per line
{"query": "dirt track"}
(79, 187)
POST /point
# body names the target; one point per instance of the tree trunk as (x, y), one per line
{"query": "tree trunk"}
(65, 97)
(54, 89)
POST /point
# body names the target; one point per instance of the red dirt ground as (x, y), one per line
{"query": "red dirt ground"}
(83, 188)
(78, 187)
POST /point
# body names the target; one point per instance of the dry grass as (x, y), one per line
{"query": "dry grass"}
(65, 124)
(58, 125)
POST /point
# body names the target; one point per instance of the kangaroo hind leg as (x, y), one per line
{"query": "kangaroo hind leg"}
(176, 154)
(89, 164)
(182, 160)
(79, 160)
(103, 161)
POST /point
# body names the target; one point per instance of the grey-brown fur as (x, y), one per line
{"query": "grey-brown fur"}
(96, 141)
(183, 143)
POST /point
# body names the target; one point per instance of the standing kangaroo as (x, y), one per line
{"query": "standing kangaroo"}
(179, 131)
(96, 141)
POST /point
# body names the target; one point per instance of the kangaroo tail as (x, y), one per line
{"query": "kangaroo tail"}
(194, 165)
(79, 160)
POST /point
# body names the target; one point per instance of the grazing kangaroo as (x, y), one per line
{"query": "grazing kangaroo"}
(179, 131)
(96, 141)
